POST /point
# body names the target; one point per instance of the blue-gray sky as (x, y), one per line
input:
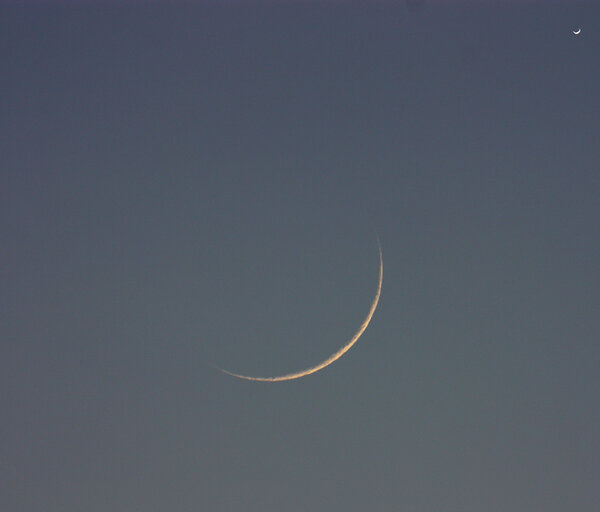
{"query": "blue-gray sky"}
(184, 185)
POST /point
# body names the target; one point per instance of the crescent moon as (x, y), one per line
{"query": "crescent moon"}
(577, 32)
(334, 357)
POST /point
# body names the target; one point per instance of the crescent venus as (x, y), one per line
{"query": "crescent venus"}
(334, 357)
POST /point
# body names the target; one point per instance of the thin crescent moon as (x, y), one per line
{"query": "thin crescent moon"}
(331, 359)
(577, 32)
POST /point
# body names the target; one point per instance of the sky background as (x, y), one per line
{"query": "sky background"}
(183, 185)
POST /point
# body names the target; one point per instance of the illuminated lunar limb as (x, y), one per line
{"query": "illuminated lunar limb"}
(336, 355)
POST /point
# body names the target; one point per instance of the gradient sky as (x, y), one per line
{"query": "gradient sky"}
(183, 185)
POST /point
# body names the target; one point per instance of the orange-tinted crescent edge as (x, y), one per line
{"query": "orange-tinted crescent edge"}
(331, 359)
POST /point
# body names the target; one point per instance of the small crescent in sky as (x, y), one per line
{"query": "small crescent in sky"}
(577, 32)
(336, 355)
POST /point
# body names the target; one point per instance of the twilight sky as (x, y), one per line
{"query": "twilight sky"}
(185, 184)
